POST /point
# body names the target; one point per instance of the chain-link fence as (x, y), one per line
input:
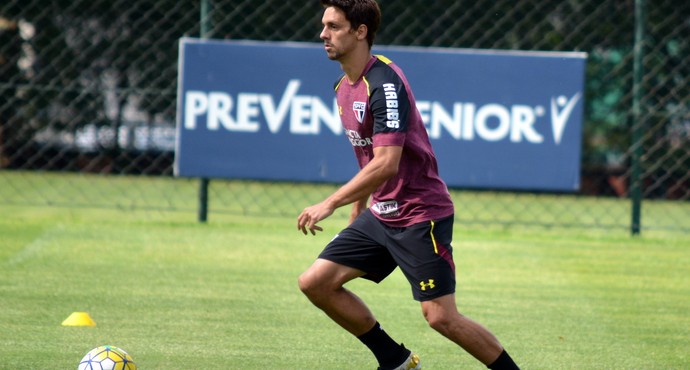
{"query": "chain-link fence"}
(89, 87)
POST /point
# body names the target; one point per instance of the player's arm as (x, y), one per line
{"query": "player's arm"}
(358, 207)
(382, 167)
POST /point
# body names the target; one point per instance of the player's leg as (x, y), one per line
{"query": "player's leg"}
(323, 284)
(442, 315)
(425, 256)
(351, 254)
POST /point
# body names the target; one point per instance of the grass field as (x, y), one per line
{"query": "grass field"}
(177, 294)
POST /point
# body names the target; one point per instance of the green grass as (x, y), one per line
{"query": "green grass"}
(177, 294)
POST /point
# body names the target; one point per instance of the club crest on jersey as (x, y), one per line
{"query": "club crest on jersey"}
(358, 107)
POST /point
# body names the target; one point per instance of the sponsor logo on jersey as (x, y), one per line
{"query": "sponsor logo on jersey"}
(357, 140)
(387, 208)
(392, 114)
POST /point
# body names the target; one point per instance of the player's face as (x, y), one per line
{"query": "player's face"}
(337, 34)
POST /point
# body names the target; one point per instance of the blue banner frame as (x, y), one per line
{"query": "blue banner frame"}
(266, 111)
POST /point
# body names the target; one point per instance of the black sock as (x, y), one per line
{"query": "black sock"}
(503, 362)
(388, 353)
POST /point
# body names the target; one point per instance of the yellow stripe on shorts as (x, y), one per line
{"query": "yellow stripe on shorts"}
(433, 240)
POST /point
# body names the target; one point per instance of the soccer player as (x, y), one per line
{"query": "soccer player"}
(410, 220)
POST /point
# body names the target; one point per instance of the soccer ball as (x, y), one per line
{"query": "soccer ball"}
(107, 358)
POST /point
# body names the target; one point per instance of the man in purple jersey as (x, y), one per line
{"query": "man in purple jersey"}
(410, 220)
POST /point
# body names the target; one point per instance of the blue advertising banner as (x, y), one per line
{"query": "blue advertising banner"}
(267, 111)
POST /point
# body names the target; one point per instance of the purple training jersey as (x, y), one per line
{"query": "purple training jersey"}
(379, 109)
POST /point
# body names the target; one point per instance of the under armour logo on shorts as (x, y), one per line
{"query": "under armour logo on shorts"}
(424, 285)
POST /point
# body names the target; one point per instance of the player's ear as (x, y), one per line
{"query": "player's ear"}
(362, 32)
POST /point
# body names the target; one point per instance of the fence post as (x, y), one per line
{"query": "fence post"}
(205, 30)
(638, 74)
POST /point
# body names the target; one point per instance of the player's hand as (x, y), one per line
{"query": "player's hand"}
(310, 216)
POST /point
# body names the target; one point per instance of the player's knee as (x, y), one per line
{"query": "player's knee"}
(305, 283)
(439, 320)
(310, 285)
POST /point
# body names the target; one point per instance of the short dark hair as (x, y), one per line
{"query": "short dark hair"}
(358, 12)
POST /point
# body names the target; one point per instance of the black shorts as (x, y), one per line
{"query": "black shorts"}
(422, 251)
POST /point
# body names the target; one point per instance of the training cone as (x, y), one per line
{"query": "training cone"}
(79, 319)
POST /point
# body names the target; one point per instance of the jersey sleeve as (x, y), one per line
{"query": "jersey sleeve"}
(389, 102)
